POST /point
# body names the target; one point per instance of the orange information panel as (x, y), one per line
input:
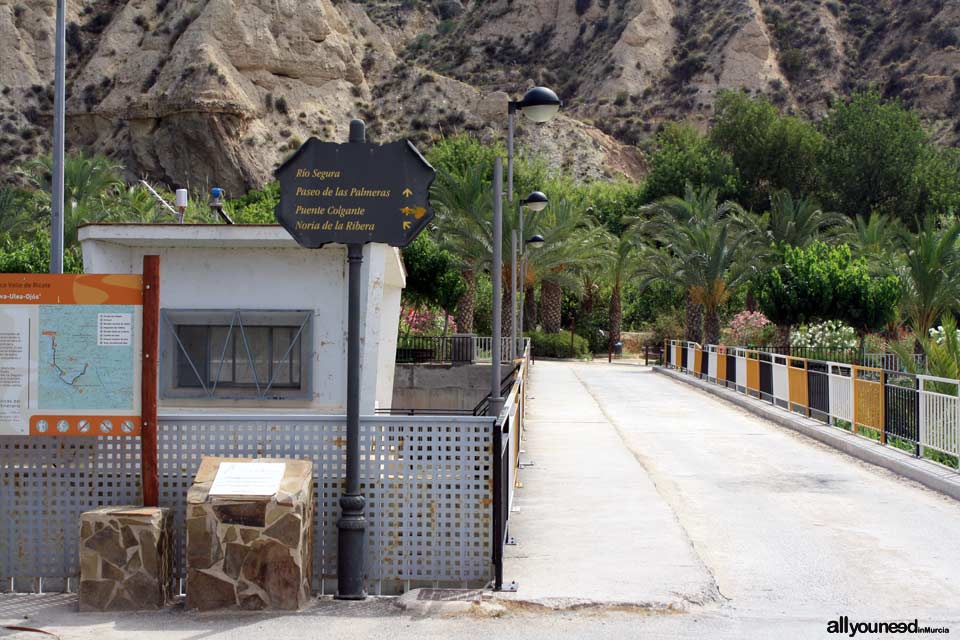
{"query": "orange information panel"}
(70, 354)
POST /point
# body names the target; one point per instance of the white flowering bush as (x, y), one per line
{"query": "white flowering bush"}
(831, 334)
(939, 334)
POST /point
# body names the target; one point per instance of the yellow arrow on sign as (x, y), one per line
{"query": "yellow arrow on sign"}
(406, 225)
(416, 212)
(407, 192)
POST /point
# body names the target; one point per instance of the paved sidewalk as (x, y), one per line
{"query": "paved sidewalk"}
(591, 526)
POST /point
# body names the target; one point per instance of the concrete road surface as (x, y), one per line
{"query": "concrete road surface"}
(652, 511)
(779, 526)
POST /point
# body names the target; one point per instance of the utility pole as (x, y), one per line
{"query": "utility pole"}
(59, 114)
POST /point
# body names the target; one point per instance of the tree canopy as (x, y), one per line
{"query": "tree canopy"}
(823, 282)
(877, 157)
(771, 151)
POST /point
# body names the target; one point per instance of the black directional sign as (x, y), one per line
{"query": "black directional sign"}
(354, 193)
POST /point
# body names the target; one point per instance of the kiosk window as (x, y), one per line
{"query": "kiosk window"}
(235, 354)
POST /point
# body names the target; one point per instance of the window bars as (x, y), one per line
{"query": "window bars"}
(219, 350)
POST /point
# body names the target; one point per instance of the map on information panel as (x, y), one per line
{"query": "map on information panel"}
(86, 357)
(70, 349)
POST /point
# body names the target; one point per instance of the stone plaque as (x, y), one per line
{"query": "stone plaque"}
(247, 479)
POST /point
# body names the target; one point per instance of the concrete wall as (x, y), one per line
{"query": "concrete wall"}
(441, 386)
(206, 267)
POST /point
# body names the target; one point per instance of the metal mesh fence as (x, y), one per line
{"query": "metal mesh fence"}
(426, 480)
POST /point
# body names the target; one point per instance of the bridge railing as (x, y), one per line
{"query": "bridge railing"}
(457, 349)
(869, 395)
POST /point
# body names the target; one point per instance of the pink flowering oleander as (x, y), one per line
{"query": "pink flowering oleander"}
(746, 326)
(423, 321)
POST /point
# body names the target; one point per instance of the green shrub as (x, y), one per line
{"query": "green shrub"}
(668, 325)
(31, 254)
(557, 345)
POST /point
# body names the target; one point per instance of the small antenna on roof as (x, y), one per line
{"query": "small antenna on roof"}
(216, 203)
(164, 203)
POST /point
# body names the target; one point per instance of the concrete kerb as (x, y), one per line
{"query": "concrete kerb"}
(927, 473)
(449, 603)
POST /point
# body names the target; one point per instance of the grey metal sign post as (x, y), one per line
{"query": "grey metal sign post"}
(353, 194)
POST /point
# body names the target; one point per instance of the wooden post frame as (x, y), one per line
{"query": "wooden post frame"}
(148, 386)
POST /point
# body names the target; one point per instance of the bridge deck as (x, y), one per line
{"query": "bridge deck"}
(645, 490)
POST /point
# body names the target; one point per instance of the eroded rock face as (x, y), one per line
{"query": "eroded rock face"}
(250, 553)
(751, 62)
(219, 93)
(126, 558)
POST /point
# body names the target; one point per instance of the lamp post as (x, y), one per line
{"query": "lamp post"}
(536, 202)
(533, 241)
(496, 277)
(539, 105)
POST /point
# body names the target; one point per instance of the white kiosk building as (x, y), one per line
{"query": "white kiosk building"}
(251, 320)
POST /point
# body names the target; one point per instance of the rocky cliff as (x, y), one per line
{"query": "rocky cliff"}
(205, 92)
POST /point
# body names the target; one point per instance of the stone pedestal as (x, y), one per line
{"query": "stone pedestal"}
(126, 558)
(251, 552)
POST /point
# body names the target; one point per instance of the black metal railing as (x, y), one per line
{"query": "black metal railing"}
(846, 355)
(731, 377)
(424, 349)
(818, 389)
(506, 383)
(507, 431)
(501, 495)
(901, 419)
(400, 411)
(653, 354)
(766, 377)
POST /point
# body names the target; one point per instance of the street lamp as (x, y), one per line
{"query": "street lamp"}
(539, 105)
(537, 201)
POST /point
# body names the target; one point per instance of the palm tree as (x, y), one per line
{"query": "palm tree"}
(136, 204)
(91, 186)
(874, 237)
(930, 274)
(941, 354)
(711, 265)
(16, 211)
(463, 205)
(573, 245)
(698, 208)
(796, 222)
(621, 254)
